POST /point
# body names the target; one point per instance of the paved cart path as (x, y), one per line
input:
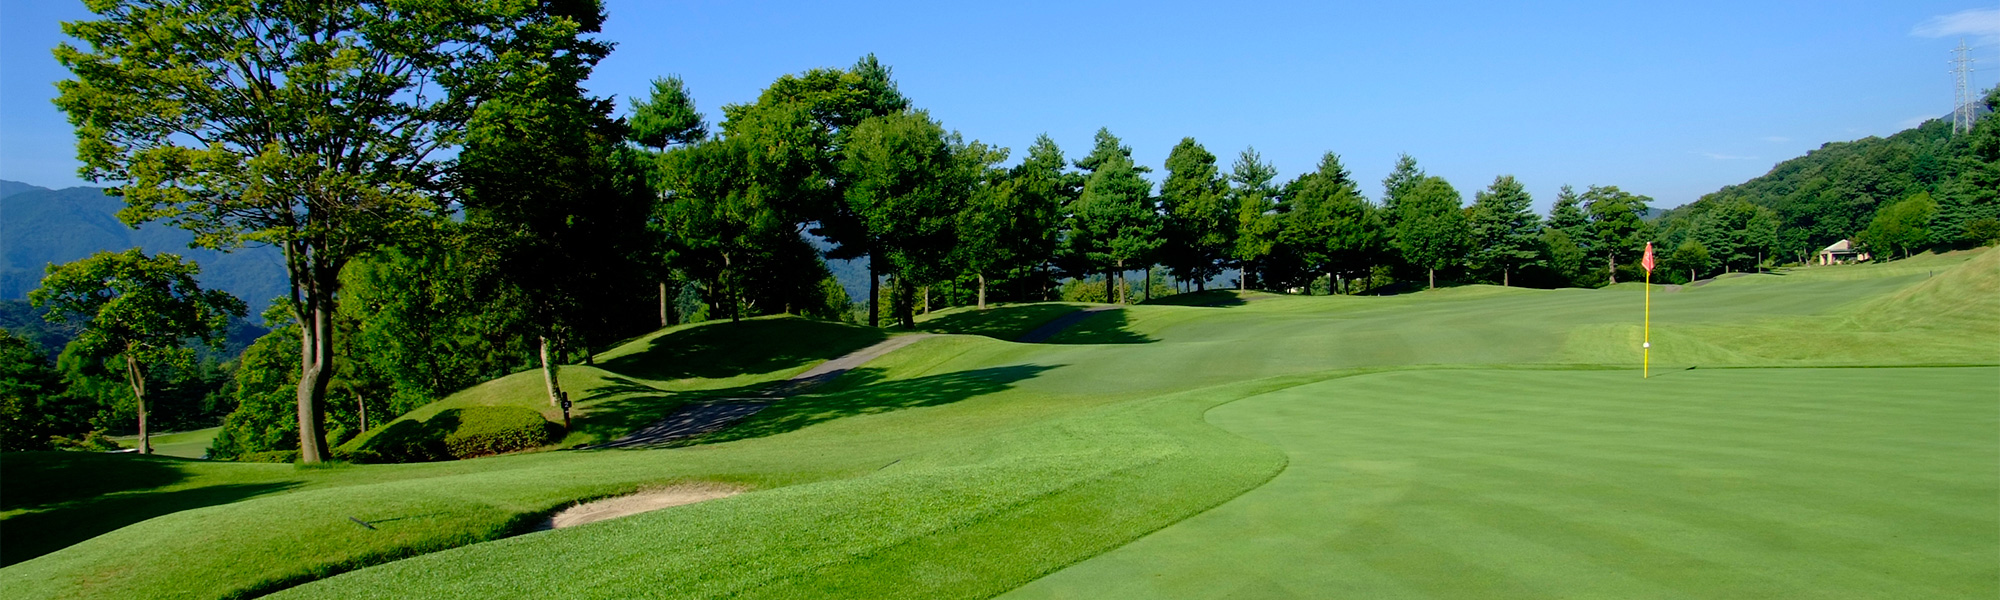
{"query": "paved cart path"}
(704, 417)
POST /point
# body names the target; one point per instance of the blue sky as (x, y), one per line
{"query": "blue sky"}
(1671, 100)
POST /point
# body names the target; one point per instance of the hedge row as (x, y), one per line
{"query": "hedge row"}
(453, 433)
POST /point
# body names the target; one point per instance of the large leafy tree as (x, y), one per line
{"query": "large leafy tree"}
(793, 137)
(1114, 224)
(1255, 201)
(318, 127)
(139, 310)
(1040, 188)
(1900, 228)
(1325, 222)
(1199, 222)
(1505, 230)
(1430, 226)
(909, 180)
(551, 230)
(1968, 206)
(993, 227)
(1618, 229)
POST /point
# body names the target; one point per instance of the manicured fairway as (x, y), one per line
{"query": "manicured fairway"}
(1725, 483)
(965, 466)
(184, 444)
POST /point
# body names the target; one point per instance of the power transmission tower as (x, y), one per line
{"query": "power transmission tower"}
(1962, 102)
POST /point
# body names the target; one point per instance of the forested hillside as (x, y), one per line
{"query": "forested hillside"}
(1837, 191)
(39, 226)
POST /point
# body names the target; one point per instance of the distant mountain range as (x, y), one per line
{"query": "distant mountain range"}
(39, 226)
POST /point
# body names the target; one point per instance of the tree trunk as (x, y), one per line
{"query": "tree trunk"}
(665, 313)
(137, 379)
(905, 301)
(927, 300)
(316, 371)
(1611, 268)
(1505, 277)
(1121, 281)
(1434, 280)
(361, 408)
(874, 293)
(982, 291)
(1149, 284)
(550, 376)
(729, 288)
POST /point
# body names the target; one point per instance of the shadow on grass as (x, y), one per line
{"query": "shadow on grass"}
(623, 406)
(1209, 298)
(862, 392)
(1001, 322)
(755, 346)
(37, 478)
(33, 534)
(1104, 327)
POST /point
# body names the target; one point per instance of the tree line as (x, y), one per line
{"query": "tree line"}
(453, 206)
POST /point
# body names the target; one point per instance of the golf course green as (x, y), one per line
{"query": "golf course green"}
(1828, 432)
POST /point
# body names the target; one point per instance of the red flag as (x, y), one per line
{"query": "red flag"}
(1647, 262)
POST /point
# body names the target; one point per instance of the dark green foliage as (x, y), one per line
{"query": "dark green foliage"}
(1968, 205)
(1326, 228)
(1618, 231)
(1505, 232)
(1200, 223)
(484, 430)
(908, 182)
(1431, 228)
(1691, 257)
(668, 117)
(1255, 201)
(265, 388)
(1900, 228)
(32, 398)
(1114, 225)
(455, 433)
(271, 456)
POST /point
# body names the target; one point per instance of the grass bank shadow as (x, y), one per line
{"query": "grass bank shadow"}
(1104, 327)
(623, 406)
(1000, 322)
(1207, 298)
(863, 392)
(32, 534)
(39, 478)
(755, 346)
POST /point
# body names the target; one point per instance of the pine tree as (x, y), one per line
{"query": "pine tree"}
(1505, 230)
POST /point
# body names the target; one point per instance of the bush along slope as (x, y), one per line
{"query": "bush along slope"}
(454, 433)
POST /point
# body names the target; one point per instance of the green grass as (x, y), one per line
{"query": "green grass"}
(961, 465)
(184, 444)
(1728, 483)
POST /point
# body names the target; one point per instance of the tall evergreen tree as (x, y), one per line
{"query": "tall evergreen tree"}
(1256, 205)
(1200, 221)
(667, 117)
(1430, 227)
(1042, 189)
(1505, 230)
(1115, 225)
(1325, 222)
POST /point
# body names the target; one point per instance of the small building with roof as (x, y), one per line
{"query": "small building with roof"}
(1841, 252)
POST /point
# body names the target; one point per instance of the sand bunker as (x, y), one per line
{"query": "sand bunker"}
(645, 500)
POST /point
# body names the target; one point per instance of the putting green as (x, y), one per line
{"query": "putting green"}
(1728, 483)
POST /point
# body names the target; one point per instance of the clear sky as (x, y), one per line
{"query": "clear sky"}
(1667, 99)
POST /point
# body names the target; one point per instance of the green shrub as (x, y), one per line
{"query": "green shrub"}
(270, 456)
(94, 441)
(452, 434)
(487, 430)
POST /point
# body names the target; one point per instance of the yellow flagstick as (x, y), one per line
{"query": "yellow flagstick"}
(1646, 342)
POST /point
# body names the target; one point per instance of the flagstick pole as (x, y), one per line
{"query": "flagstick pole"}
(1646, 362)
